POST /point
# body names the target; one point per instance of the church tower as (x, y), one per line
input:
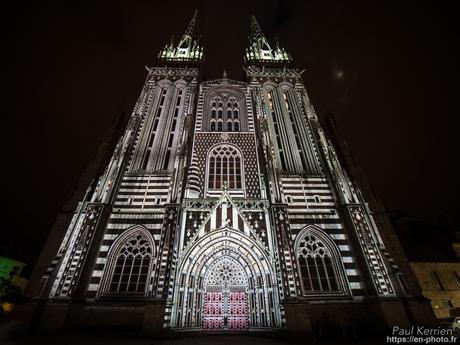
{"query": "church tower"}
(308, 187)
(329, 248)
(226, 207)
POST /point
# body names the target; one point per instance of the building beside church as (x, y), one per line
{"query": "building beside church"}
(226, 207)
(435, 260)
(440, 282)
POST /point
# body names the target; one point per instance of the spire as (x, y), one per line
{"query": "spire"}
(259, 49)
(256, 32)
(188, 49)
(191, 26)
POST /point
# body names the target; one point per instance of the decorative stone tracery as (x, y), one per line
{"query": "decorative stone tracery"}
(130, 264)
(226, 273)
(225, 256)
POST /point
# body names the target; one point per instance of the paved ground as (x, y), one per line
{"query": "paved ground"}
(195, 340)
(10, 336)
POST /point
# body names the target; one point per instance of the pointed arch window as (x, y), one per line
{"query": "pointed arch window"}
(225, 167)
(220, 126)
(226, 106)
(316, 265)
(131, 265)
(213, 125)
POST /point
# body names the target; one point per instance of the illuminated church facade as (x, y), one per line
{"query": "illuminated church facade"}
(225, 207)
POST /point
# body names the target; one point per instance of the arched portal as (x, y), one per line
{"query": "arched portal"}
(233, 265)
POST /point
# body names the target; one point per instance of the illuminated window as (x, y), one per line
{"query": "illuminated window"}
(270, 100)
(225, 166)
(286, 101)
(316, 266)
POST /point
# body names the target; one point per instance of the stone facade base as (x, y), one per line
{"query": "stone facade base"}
(322, 320)
(53, 316)
(57, 316)
(354, 320)
(154, 319)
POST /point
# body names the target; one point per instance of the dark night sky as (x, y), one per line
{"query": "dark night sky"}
(388, 71)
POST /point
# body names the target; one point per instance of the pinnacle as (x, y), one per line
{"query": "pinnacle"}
(191, 27)
(188, 47)
(256, 32)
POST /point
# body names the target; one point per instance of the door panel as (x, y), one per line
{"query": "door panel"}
(213, 318)
(237, 311)
(225, 311)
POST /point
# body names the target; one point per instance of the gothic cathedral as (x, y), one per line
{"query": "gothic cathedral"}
(225, 207)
